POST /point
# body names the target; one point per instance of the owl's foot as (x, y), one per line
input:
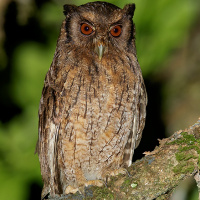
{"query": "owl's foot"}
(98, 183)
(71, 190)
(115, 172)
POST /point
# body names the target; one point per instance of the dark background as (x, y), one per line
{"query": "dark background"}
(168, 46)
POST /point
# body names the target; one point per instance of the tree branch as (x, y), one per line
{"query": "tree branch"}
(157, 173)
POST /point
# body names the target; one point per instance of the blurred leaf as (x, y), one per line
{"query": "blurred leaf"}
(161, 26)
(18, 164)
(31, 62)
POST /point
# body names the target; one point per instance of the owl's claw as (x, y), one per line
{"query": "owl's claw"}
(71, 190)
(116, 172)
(98, 183)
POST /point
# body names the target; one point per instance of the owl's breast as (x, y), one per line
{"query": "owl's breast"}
(98, 115)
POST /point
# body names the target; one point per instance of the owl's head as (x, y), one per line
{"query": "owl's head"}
(99, 29)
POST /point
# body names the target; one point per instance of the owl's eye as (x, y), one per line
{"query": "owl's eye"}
(116, 31)
(86, 29)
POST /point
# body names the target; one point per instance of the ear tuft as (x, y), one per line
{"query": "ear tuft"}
(68, 9)
(129, 9)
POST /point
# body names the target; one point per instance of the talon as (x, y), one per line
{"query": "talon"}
(98, 183)
(69, 189)
(119, 171)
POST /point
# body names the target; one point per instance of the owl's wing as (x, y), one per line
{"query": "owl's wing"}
(49, 125)
(141, 113)
(138, 122)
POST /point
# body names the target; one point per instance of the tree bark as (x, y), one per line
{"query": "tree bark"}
(157, 174)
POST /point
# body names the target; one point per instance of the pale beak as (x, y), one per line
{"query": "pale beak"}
(100, 50)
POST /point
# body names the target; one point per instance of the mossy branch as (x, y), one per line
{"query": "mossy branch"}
(157, 174)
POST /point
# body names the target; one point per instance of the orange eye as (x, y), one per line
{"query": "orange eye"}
(86, 29)
(116, 31)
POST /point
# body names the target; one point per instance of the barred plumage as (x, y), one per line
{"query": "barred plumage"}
(93, 105)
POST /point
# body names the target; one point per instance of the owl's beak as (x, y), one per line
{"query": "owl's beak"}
(100, 50)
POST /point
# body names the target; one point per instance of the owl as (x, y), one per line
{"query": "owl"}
(93, 106)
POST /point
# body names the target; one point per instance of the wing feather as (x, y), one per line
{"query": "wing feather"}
(49, 126)
(138, 122)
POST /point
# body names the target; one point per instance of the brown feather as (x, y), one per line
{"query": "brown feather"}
(92, 112)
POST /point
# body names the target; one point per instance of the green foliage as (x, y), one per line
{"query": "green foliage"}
(103, 193)
(161, 26)
(187, 143)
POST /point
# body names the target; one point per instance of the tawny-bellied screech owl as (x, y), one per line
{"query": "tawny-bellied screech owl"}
(93, 105)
